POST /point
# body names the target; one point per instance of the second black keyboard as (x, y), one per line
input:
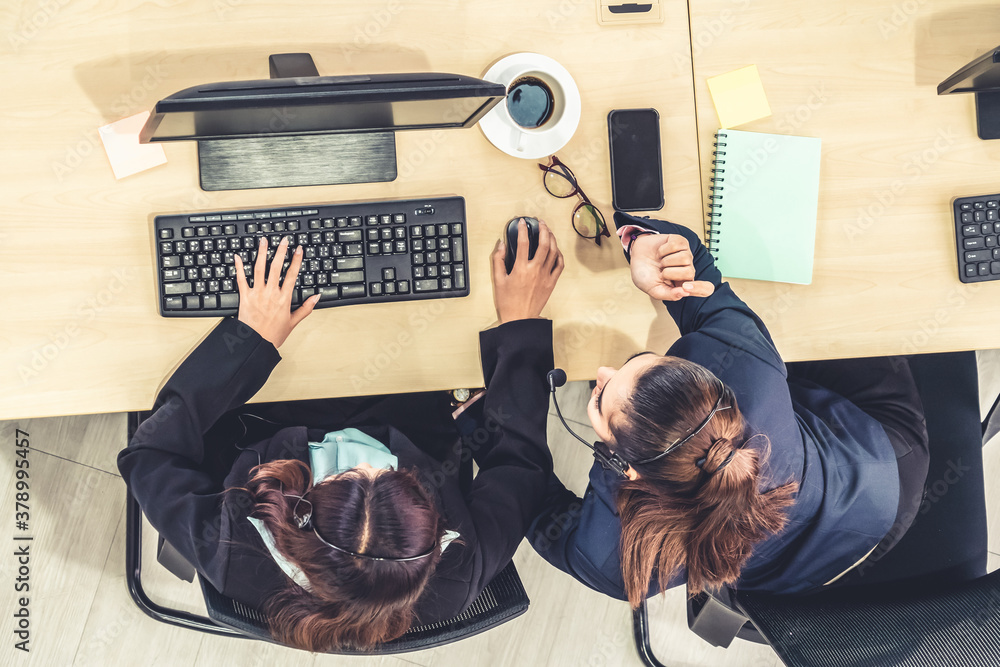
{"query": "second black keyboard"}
(367, 252)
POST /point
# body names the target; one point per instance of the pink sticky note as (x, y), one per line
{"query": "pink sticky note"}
(127, 155)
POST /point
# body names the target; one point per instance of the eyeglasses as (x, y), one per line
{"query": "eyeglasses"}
(560, 182)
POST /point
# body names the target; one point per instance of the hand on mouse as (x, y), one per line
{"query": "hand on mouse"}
(663, 267)
(522, 294)
(266, 307)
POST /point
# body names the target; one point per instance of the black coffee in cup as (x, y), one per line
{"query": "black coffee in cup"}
(529, 102)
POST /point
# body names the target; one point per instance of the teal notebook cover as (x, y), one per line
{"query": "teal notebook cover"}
(762, 210)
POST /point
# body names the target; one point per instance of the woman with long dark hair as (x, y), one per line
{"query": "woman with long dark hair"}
(348, 520)
(735, 469)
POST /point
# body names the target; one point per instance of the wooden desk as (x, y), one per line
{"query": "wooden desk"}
(80, 331)
(862, 76)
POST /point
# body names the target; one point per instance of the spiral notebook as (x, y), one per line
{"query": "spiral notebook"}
(762, 210)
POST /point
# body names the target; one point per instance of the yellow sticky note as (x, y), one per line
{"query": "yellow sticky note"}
(739, 96)
(127, 155)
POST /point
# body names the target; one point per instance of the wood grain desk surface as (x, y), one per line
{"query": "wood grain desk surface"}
(863, 77)
(81, 332)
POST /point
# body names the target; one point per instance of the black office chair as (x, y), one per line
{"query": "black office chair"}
(502, 600)
(916, 606)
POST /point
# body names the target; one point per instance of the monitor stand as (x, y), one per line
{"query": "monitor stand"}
(288, 161)
(988, 115)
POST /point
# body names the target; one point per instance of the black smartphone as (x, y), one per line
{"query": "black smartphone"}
(636, 169)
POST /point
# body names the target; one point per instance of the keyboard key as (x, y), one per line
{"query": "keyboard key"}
(187, 232)
(177, 288)
(399, 233)
(984, 269)
(171, 261)
(386, 247)
(995, 268)
(330, 293)
(201, 231)
(388, 274)
(229, 300)
(456, 228)
(399, 247)
(970, 270)
(446, 283)
(429, 285)
(226, 217)
(390, 288)
(375, 289)
(338, 277)
(229, 230)
(978, 256)
(354, 249)
(347, 236)
(458, 278)
(978, 205)
(991, 242)
(350, 263)
(166, 233)
(978, 216)
(385, 219)
(416, 232)
(215, 230)
(432, 272)
(192, 302)
(399, 218)
(196, 218)
(213, 218)
(244, 216)
(373, 235)
(429, 230)
(458, 252)
(974, 243)
(371, 220)
(418, 272)
(993, 203)
(167, 247)
(173, 303)
(351, 291)
(172, 275)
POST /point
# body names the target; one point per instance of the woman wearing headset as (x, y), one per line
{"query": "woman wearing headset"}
(734, 470)
(346, 521)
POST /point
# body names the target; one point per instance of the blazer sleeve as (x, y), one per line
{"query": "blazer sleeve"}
(722, 315)
(514, 461)
(162, 465)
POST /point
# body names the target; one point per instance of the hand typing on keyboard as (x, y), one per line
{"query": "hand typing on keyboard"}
(266, 307)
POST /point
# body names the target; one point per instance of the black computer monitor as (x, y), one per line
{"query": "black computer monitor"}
(299, 128)
(982, 77)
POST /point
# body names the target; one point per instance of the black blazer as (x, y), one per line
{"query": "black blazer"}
(171, 464)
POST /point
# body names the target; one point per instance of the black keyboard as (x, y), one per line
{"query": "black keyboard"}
(977, 229)
(367, 252)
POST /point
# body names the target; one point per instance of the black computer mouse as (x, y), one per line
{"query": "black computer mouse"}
(510, 238)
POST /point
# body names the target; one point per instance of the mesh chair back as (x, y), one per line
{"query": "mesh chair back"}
(502, 600)
(957, 625)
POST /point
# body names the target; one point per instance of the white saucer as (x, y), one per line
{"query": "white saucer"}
(541, 142)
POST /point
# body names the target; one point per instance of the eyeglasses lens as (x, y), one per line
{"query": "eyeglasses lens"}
(560, 182)
(588, 221)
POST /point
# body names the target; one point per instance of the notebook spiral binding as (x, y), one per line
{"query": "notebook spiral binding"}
(712, 228)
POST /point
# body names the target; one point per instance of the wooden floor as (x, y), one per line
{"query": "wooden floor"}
(80, 612)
